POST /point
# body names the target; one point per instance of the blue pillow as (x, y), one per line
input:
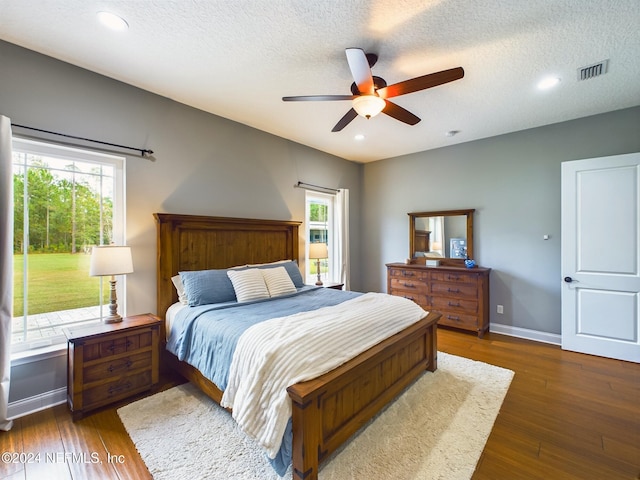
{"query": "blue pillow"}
(292, 269)
(204, 287)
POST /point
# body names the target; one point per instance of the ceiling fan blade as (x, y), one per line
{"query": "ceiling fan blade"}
(359, 66)
(372, 59)
(421, 83)
(399, 113)
(316, 98)
(346, 120)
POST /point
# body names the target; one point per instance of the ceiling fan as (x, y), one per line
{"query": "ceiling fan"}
(371, 94)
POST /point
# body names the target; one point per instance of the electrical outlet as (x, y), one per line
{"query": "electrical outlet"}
(500, 309)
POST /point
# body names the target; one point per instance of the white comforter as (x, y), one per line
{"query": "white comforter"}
(280, 352)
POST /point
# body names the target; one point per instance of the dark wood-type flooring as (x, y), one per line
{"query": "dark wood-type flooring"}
(566, 416)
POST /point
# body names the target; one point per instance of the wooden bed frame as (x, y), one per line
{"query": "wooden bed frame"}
(326, 410)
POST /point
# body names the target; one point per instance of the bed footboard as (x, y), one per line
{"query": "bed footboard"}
(331, 408)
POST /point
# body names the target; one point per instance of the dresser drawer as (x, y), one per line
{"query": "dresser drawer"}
(459, 320)
(120, 388)
(116, 367)
(453, 277)
(455, 290)
(420, 299)
(443, 304)
(408, 285)
(408, 273)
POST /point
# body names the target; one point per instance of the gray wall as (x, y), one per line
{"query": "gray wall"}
(513, 182)
(203, 164)
(208, 165)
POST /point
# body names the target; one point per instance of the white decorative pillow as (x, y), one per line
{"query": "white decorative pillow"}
(182, 296)
(248, 284)
(278, 281)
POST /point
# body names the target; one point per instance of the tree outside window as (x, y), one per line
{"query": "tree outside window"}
(65, 201)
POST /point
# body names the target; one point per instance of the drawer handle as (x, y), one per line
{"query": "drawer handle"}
(409, 298)
(407, 274)
(118, 388)
(409, 285)
(454, 304)
(451, 317)
(453, 277)
(125, 365)
(453, 290)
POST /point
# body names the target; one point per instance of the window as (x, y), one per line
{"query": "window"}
(320, 228)
(65, 201)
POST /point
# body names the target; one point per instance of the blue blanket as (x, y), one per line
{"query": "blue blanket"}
(206, 336)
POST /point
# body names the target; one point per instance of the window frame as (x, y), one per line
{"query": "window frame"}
(332, 237)
(85, 155)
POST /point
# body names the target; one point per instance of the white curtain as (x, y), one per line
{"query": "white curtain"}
(342, 222)
(6, 267)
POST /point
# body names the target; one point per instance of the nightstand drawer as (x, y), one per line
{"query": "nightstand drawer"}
(117, 367)
(117, 344)
(117, 389)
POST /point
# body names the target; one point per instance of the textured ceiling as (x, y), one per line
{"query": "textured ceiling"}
(238, 58)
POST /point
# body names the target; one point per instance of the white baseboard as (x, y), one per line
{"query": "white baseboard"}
(534, 335)
(34, 404)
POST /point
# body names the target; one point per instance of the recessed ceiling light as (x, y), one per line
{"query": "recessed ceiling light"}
(548, 82)
(359, 137)
(112, 21)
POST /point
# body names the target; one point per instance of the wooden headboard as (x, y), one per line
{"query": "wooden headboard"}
(196, 242)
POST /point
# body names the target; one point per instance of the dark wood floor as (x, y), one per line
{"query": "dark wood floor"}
(566, 416)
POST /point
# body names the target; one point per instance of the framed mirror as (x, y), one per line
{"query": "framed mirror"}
(445, 235)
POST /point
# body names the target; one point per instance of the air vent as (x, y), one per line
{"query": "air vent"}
(595, 70)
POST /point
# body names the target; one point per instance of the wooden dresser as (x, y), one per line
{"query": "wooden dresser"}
(460, 294)
(109, 362)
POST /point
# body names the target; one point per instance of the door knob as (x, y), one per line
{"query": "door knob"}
(568, 279)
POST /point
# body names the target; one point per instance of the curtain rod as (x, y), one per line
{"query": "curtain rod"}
(143, 151)
(318, 188)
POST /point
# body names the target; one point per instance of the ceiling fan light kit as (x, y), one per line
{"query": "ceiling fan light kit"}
(368, 105)
(371, 94)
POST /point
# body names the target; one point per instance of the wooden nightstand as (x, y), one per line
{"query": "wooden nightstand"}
(109, 362)
(335, 286)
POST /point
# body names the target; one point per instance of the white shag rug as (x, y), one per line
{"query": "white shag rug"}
(436, 429)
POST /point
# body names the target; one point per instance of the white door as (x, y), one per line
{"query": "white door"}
(601, 256)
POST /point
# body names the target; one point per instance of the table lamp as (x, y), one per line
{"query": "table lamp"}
(111, 260)
(318, 251)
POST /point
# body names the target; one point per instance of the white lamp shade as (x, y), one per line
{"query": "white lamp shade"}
(110, 260)
(368, 105)
(318, 250)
